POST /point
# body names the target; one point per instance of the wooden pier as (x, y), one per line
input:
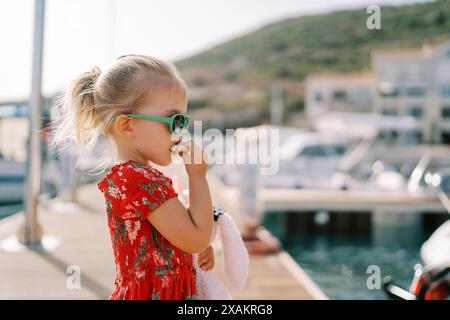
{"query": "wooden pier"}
(85, 246)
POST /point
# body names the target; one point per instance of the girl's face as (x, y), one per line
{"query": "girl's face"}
(152, 140)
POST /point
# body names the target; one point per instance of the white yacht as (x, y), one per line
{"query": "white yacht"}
(308, 160)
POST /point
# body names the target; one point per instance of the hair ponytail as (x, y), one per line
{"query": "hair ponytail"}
(75, 117)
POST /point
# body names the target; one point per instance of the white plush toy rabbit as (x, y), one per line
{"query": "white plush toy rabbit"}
(234, 254)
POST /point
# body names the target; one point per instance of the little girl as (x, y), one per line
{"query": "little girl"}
(139, 106)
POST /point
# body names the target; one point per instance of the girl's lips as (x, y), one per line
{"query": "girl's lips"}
(179, 148)
(174, 148)
(175, 144)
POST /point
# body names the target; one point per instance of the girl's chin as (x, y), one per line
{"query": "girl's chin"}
(164, 160)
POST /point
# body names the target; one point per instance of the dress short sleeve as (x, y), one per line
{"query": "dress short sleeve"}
(144, 193)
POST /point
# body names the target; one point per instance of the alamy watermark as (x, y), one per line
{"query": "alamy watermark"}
(374, 278)
(373, 281)
(73, 281)
(374, 20)
(256, 146)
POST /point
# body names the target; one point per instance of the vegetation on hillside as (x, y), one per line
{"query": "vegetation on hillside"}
(288, 50)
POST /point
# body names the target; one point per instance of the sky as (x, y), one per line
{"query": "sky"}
(80, 34)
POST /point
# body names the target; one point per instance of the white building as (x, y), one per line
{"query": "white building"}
(413, 82)
(416, 83)
(347, 92)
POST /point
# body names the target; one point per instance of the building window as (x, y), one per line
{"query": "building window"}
(415, 111)
(445, 91)
(340, 95)
(445, 137)
(318, 97)
(445, 112)
(389, 112)
(313, 151)
(413, 137)
(415, 92)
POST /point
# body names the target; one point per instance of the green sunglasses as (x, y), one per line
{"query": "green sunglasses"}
(176, 122)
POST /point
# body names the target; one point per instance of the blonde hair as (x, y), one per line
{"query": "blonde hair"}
(84, 112)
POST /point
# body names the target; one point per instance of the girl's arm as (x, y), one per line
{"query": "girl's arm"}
(188, 229)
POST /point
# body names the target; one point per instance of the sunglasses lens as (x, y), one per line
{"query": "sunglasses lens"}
(178, 124)
(186, 121)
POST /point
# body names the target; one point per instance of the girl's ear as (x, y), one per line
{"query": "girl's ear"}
(123, 127)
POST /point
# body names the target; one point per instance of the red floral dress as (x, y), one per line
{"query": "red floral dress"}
(148, 266)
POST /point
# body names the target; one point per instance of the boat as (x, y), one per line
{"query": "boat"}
(307, 160)
(431, 281)
(12, 180)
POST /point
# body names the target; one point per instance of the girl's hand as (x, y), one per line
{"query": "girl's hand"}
(194, 158)
(206, 258)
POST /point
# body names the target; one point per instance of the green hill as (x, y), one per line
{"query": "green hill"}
(337, 41)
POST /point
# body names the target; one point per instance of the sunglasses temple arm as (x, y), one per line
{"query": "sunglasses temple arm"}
(167, 120)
